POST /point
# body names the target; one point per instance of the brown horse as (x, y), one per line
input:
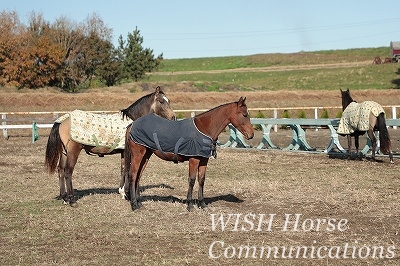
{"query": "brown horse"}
(351, 124)
(64, 151)
(193, 140)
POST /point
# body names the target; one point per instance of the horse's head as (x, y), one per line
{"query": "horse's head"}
(241, 119)
(161, 105)
(346, 98)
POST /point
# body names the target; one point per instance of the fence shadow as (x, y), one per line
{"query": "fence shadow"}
(396, 81)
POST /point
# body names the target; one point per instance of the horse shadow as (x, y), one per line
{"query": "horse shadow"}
(207, 200)
(81, 193)
(352, 157)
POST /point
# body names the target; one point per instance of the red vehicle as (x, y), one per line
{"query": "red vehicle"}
(395, 51)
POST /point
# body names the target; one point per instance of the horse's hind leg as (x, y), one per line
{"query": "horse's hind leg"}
(61, 178)
(201, 179)
(72, 158)
(121, 189)
(139, 158)
(193, 168)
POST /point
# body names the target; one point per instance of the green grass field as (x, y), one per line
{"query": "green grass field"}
(321, 70)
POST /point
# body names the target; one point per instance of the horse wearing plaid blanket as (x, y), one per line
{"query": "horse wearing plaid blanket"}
(358, 118)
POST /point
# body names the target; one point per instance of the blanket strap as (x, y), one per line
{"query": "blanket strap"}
(178, 143)
(158, 145)
(176, 149)
(113, 146)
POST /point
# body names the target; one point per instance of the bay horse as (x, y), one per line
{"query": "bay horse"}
(62, 152)
(374, 116)
(208, 125)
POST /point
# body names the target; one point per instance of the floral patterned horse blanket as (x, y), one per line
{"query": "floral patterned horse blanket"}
(179, 137)
(99, 130)
(356, 117)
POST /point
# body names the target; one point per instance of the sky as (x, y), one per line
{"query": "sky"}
(213, 28)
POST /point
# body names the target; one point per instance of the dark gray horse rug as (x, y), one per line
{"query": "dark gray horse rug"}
(179, 137)
(356, 117)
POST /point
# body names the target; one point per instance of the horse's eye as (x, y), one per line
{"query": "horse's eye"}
(245, 114)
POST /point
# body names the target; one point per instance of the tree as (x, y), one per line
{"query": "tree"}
(86, 46)
(39, 60)
(137, 60)
(110, 69)
(11, 31)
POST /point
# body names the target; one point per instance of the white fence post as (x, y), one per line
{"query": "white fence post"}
(394, 115)
(316, 116)
(275, 116)
(4, 117)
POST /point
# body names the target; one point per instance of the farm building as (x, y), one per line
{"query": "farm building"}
(395, 51)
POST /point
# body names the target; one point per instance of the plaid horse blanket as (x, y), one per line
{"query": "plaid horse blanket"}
(356, 117)
(179, 137)
(99, 130)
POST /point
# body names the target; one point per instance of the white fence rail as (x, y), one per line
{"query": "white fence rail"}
(41, 120)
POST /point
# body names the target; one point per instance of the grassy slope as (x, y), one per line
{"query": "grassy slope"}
(250, 77)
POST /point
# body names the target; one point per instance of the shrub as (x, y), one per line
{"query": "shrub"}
(302, 114)
(259, 115)
(339, 114)
(325, 114)
(285, 114)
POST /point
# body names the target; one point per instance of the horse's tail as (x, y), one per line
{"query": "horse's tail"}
(385, 143)
(127, 166)
(53, 149)
(127, 152)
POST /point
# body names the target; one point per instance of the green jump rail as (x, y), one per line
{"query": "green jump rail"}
(298, 142)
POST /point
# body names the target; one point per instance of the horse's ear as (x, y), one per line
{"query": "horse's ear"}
(158, 90)
(241, 101)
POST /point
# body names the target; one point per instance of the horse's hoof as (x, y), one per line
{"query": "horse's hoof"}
(73, 204)
(190, 207)
(136, 206)
(202, 205)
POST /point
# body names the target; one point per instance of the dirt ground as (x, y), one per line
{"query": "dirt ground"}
(261, 191)
(182, 98)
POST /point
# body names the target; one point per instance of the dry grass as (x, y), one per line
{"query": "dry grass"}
(36, 229)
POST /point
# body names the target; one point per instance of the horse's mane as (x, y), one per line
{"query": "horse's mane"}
(222, 105)
(135, 110)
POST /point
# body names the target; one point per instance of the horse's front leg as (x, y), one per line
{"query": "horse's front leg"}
(349, 144)
(372, 137)
(357, 144)
(193, 166)
(201, 179)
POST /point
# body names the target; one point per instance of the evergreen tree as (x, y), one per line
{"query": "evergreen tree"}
(137, 61)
